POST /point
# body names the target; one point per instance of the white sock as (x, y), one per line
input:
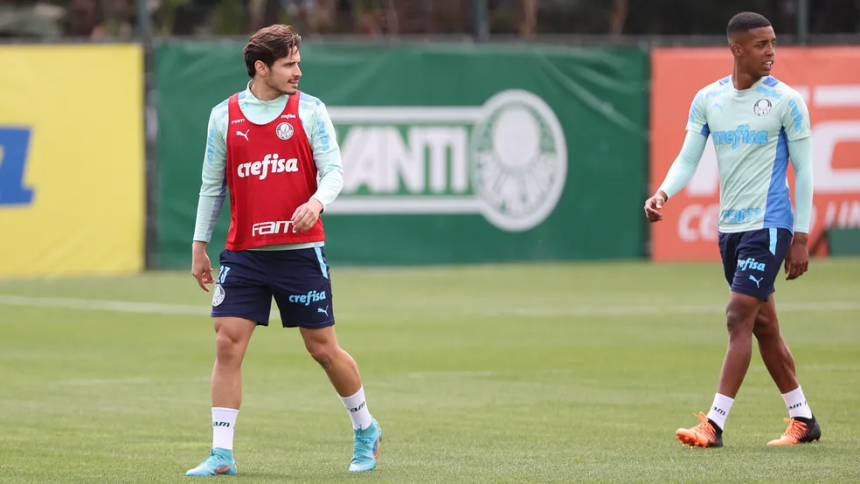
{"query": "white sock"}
(796, 403)
(223, 424)
(720, 410)
(356, 405)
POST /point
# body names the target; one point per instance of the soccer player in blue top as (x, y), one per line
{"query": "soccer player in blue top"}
(757, 124)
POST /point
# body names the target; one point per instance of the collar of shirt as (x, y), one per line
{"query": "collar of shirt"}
(251, 99)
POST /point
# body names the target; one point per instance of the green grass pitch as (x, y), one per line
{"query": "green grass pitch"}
(552, 373)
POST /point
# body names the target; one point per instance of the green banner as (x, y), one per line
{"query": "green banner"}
(451, 153)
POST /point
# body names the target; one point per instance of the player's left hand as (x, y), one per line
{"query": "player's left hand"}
(797, 258)
(201, 267)
(306, 215)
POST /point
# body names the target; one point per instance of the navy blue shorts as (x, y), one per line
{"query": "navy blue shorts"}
(297, 279)
(752, 260)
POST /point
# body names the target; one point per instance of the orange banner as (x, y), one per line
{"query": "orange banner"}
(829, 81)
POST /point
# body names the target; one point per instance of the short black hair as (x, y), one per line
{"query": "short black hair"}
(746, 21)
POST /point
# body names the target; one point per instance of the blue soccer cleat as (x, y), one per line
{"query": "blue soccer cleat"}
(219, 463)
(365, 452)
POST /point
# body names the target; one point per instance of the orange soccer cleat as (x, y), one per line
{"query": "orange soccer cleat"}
(706, 434)
(799, 431)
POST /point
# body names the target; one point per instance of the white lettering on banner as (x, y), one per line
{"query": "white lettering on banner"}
(843, 215)
(506, 160)
(826, 135)
(382, 159)
(699, 222)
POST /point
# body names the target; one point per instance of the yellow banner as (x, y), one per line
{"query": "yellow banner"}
(72, 194)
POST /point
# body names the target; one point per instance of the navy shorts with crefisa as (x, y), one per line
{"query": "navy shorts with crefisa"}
(752, 260)
(298, 280)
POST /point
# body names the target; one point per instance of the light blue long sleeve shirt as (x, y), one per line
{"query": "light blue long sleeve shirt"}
(756, 131)
(321, 135)
(800, 151)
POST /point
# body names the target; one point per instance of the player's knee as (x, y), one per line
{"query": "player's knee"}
(738, 320)
(765, 327)
(323, 356)
(226, 348)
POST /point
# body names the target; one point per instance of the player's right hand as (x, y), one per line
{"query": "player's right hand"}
(797, 257)
(653, 206)
(201, 269)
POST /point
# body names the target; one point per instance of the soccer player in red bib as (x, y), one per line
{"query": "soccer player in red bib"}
(273, 149)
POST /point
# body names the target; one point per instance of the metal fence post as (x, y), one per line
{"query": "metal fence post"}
(150, 123)
(802, 18)
(480, 24)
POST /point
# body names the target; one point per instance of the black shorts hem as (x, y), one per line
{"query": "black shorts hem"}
(325, 324)
(755, 294)
(260, 322)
